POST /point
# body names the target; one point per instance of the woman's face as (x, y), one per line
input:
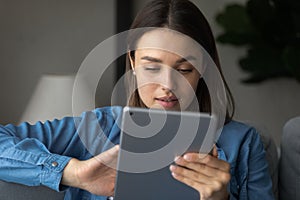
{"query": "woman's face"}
(164, 79)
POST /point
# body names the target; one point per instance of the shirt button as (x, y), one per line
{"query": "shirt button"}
(54, 164)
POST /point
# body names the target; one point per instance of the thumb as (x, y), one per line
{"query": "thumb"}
(109, 157)
(215, 151)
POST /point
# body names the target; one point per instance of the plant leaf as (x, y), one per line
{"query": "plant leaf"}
(234, 19)
(262, 63)
(291, 56)
(235, 38)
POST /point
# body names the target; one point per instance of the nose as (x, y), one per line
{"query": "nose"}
(170, 80)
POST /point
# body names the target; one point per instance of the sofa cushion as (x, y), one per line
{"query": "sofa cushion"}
(289, 170)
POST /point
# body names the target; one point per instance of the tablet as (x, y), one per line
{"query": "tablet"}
(150, 140)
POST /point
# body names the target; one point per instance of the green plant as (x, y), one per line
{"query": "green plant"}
(270, 30)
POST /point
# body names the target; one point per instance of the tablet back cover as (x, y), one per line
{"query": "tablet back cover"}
(150, 140)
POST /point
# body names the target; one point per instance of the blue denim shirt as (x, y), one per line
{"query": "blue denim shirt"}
(37, 154)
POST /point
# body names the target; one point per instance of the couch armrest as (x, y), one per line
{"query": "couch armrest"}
(13, 191)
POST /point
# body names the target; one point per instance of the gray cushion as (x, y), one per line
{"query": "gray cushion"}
(12, 191)
(271, 153)
(289, 167)
(272, 159)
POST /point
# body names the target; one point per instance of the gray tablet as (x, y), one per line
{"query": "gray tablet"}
(150, 140)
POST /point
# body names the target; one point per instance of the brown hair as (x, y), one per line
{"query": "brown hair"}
(184, 17)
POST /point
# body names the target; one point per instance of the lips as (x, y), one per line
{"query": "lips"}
(167, 101)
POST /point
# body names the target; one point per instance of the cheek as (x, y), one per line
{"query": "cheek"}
(194, 81)
(188, 91)
(146, 93)
(194, 85)
(189, 86)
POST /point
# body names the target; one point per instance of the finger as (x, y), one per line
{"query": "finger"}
(198, 167)
(189, 182)
(205, 190)
(183, 179)
(208, 160)
(199, 181)
(189, 174)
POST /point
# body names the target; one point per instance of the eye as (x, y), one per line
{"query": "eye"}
(184, 70)
(152, 68)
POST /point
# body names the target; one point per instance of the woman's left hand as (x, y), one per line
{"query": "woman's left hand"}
(205, 173)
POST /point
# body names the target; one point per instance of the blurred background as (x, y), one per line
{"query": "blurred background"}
(44, 41)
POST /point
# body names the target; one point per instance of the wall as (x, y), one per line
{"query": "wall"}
(47, 37)
(54, 36)
(268, 105)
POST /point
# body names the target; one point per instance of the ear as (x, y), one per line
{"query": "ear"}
(131, 61)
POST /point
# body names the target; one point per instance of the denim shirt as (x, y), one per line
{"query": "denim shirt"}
(37, 154)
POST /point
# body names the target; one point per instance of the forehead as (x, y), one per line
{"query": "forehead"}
(170, 41)
(156, 53)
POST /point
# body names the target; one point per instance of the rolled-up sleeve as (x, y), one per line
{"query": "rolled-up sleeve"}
(26, 156)
(37, 154)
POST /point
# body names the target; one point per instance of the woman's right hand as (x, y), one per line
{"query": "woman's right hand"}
(96, 175)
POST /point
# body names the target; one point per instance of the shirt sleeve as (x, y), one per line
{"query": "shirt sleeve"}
(25, 154)
(37, 154)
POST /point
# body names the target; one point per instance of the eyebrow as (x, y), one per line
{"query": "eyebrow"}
(151, 59)
(186, 59)
(182, 60)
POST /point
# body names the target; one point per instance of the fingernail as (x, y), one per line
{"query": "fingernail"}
(177, 158)
(187, 157)
(172, 167)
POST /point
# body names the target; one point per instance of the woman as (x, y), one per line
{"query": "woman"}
(53, 154)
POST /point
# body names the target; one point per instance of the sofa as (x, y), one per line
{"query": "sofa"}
(283, 166)
(13, 191)
(289, 164)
